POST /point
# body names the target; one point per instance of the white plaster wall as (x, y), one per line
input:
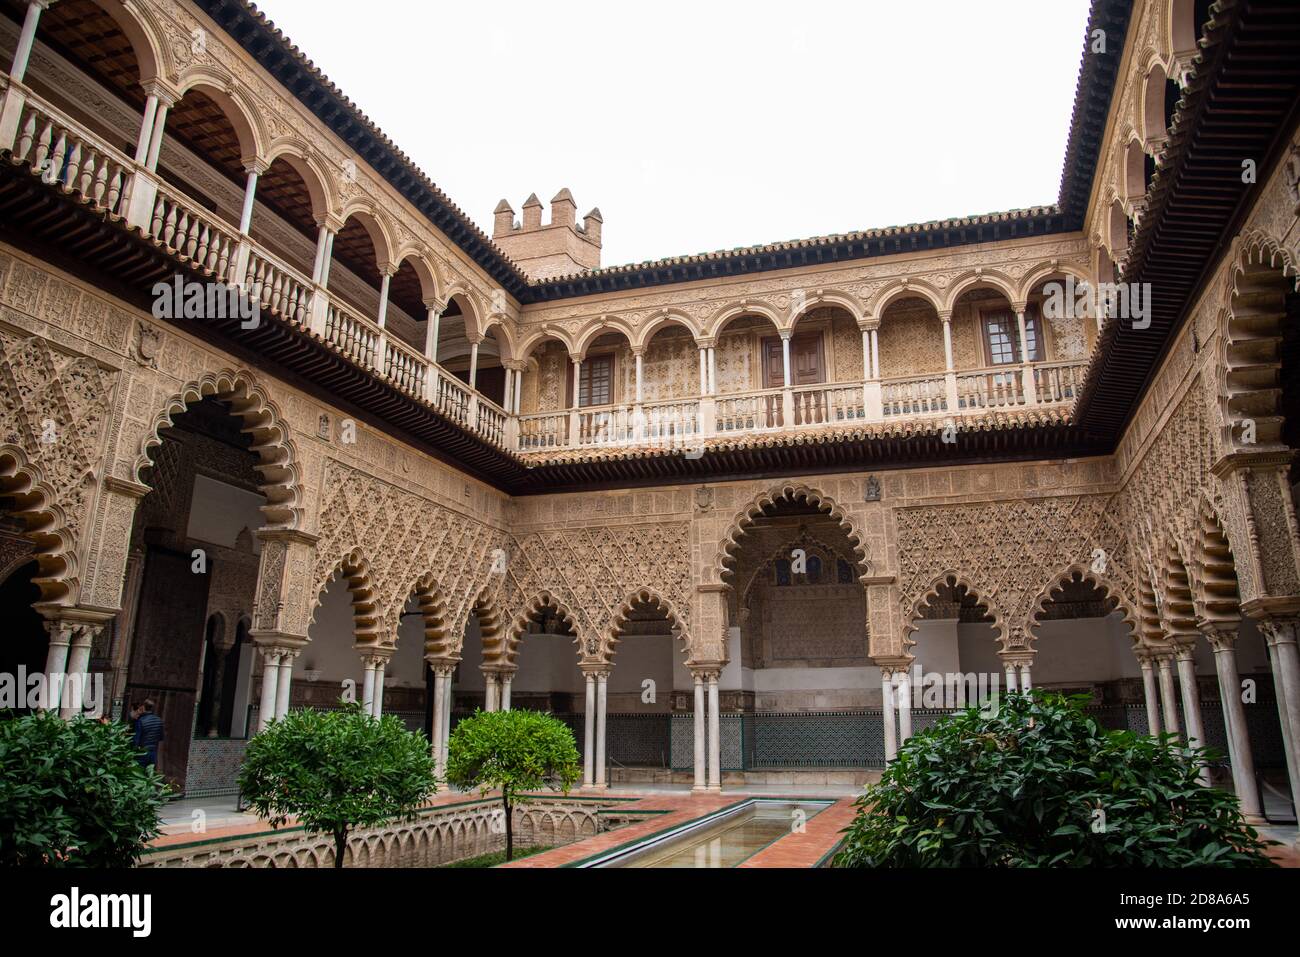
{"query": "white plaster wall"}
(219, 512)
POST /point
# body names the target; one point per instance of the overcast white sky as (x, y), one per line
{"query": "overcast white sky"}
(707, 125)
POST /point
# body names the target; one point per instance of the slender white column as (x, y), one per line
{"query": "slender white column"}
(1167, 696)
(506, 678)
(508, 399)
(947, 341)
(602, 700)
(638, 378)
(785, 360)
(1024, 339)
(704, 370)
(381, 666)
(701, 772)
(1191, 702)
(56, 663)
(713, 370)
(435, 733)
(887, 713)
(282, 686)
(250, 196)
(1240, 758)
(384, 285)
(322, 243)
(1011, 676)
(492, 690)
(1282, 653)
(875, 353)
(589, 734)
(577, 383)
(431, 333)
(146, 128)
(715, 735)
(904, 706)
(23, 52)
(519, 388)
(327, 261)
(368, 685)
(270, 678)
(1025, 683)
(1150, 694)
(70, 703)
(155, 142)
(866, 355)
(447, 698)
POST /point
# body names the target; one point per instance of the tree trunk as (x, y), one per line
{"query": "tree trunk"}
(340, 846)
(510, 828)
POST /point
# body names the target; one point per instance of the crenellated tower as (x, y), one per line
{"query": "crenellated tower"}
(558, 248)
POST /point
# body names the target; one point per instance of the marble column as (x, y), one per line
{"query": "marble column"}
(1185, 654)
(270, 679)
(254, 171)
(435, 732)
(1149, 693)
(589, 733)
(904, 699)
(1011, 676)
(1282, 652)
(602, 756)
(715, 735)
(282, 685)
(56, 662)
(26, 39)
(1240, 758)
(506, 677)
(448, 697)
(1025, 683)
(1167, 697)
(491, 691)
(73, 698)
(368, 684)
(887, 713)
(155, 141)
(381, 669)
(701, 772)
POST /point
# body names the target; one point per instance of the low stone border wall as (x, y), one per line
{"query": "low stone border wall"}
(440, 834)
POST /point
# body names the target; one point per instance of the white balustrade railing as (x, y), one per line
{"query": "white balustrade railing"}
(66, 154)
(182, 227)
(915, 395)
(491, 423)
(354, 337)
(750, 412)
(278, 288)
(546, 430)
(670, 422)
(990, 390)
(452, 398)
(828, 405)
(405, 367)
(1059, 381)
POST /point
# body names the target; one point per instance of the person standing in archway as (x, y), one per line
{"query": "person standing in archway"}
(148, 735)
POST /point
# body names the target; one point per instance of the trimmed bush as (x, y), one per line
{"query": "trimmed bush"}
(513, 751)
(336, 771)
(73, 794)
(1041, 784)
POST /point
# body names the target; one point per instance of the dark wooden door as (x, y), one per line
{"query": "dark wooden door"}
(167, 650)
(807, 366)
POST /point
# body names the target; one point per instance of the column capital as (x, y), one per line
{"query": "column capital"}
(254, 165)
(1280, 631)
(870, 324)
(945, 316)
(1019, 307)
(706, 342)
(167, 94)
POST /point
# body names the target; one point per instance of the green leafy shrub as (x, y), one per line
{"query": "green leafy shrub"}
(1041, 784)
(337, 770)
(72, 794)
(514, 751)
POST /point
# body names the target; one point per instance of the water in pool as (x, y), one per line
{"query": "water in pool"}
(727, 842)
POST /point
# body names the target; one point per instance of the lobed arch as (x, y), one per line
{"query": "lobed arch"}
(714, 325)
(901, 289)
(303, 161)
(952, 580)
(1177, 606)
(1152, 122)
(1250, 333)
(660, 320)
(648, 596)
(1082, 572)
(603, 326)
(1216, 591)
(507, 651)
(263, 421)
(490, 618)
(354, 568)
(725, 560)
(233, 100)
(432, 603)
(35, 502)
(979, 279)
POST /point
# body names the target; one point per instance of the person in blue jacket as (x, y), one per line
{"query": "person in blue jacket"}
(148, 734)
